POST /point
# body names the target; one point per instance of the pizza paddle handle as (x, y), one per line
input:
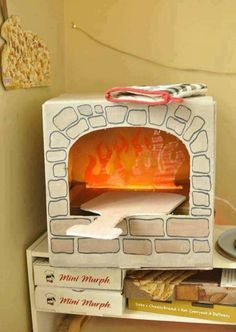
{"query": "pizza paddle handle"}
(103, 227)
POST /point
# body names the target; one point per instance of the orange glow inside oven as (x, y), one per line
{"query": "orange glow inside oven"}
(127, 159)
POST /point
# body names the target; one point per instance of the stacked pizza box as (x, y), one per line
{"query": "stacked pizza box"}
(89, 291)
(209, 294)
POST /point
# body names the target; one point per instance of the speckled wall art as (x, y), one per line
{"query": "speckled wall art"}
(25, 57)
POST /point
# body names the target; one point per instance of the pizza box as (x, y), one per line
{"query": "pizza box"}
(79, 301)
(89, 278)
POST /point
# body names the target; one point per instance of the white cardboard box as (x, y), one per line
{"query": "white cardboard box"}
(174, 241)
(77, 301)
(89, 278)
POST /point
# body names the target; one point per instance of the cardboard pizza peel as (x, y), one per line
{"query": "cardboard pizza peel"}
(115, 206)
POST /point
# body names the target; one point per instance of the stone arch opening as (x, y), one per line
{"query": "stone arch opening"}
(126, 158)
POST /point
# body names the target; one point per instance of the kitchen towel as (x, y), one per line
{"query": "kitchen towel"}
(155, 95)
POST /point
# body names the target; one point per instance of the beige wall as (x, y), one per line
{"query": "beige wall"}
(198, 35)
(22, 170)
(180, 34)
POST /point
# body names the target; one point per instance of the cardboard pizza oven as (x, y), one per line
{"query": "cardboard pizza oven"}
(94, 147)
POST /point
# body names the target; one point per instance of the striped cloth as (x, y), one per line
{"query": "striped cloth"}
(155, 95)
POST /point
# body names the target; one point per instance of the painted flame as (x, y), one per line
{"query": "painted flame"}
(130, 158)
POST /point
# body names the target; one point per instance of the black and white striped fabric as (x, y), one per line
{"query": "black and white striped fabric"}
(155, 94)
(179, 90)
